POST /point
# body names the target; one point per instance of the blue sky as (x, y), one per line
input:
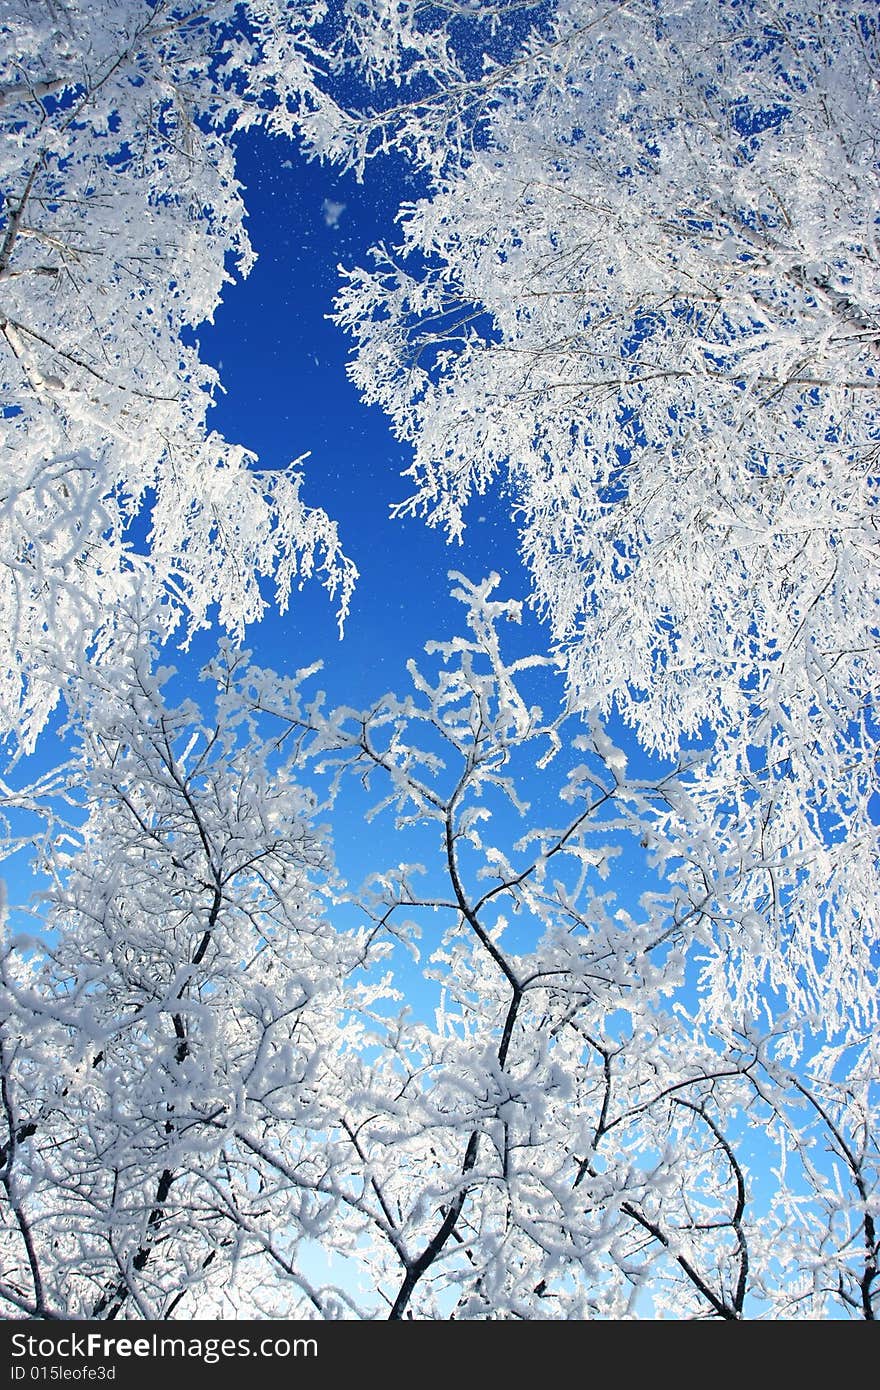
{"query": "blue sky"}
(283, 366)
(282, 363)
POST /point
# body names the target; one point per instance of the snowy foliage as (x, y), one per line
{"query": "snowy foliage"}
(204, 1083)
(645, 300)
(123, 220)
(642, 295)
(169, 1035)
(650, 298)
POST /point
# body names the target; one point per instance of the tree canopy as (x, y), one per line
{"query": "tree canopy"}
(207, 1086)
(643, 299)
(633, 873)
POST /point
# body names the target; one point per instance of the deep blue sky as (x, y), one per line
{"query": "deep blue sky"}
(283, 366)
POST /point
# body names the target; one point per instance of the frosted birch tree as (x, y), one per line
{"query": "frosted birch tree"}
(642, 299)
(583, 1115)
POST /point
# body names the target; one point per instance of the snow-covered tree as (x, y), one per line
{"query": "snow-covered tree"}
(629, 297)
(121, 222)
(644, 300)
(573, 1135)
(207, 1087)
(172, 1019)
